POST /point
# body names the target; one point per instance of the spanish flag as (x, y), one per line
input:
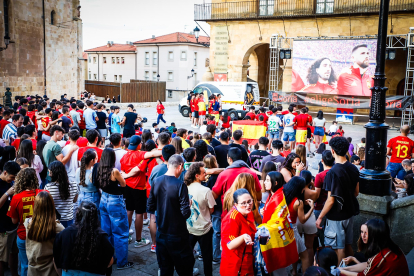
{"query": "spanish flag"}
(281, 249)
(252, 130)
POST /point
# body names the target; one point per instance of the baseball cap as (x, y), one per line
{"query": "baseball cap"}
(131, 106)
(134, 142)
(168, 151)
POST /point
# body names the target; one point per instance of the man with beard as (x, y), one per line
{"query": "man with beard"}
(321, 78)
(355, 80)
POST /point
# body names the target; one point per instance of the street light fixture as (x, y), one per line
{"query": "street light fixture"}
(196, 33)
(158, 77)
(192, 74)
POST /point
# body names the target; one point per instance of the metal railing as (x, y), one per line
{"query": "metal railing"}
(267, 9)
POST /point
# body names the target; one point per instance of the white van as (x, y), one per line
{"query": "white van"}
(236, 96)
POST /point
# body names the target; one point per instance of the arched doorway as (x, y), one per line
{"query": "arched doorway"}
(256, 62)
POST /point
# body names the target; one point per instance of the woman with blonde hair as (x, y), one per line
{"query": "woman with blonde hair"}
(243, 181)
(41, 231)
(301, 151)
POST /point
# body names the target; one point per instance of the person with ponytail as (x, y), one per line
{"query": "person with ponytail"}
(41, 231)
(88, 191)
(114, 219)
(83, 248)
(64, 193)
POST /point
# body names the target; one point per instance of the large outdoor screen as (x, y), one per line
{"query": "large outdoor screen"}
(339, 67)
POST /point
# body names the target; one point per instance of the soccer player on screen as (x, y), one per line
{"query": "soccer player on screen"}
(321, 78)
(355, 80)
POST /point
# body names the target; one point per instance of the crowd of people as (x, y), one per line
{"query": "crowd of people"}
(75, 176)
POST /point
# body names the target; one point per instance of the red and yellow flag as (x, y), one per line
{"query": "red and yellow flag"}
(252, 130)
(281, 249)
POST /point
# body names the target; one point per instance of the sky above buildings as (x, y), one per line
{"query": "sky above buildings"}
(131, 20)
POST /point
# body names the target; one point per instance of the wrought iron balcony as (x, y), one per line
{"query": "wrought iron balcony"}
(273, 9)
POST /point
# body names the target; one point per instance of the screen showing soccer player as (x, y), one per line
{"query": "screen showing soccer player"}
(339, 67)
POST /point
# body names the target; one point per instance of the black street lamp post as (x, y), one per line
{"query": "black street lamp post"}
(374, 179)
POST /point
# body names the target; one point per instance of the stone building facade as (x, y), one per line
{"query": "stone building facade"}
(251, 24)
(22, 66)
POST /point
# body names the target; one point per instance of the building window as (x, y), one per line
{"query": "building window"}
(170, 76)
(94, 59)
(146, 76)
(324, 6)
(90, 75)
(117, 60)
(104, 76)
(94, 77)
(104, 59)
(147, 58)
(123, 60)
(171, 56)
(113, 60)
(183, 55)
(169, 93)
(195, 58)
(89, 58)
(52, 17)
(154, 58)
(154, 76)
(266, 7)
(115, 78)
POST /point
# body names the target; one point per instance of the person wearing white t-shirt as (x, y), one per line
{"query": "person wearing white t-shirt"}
(203, 128)
(333, 128)
(273, 125)
(72, 165)
(116, 140)
(288, 130)
(199, 223)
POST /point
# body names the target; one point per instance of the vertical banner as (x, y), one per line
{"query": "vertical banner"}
(221, 52)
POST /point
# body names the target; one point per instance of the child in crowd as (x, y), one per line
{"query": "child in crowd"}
(333, 128)
(174, 133)
(138, 129)
(286, 150)
(355, 160)
(360, 145)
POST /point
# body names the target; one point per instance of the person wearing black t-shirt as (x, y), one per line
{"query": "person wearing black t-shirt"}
(83, 246)
(256, 157)
(237, 136)
(66, 122)
(100, 124)
(214, 142)
(8, 245)
(222, 150)
(128, 122)
(342, 184)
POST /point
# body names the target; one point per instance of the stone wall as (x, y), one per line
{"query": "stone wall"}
(22, 66)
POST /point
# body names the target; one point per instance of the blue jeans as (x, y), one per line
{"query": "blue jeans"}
(216, 220)
(394, 169)
(67, 223)
(24, 262)
(71, 272)
(160, 117)
(114, 221)
(94, 197)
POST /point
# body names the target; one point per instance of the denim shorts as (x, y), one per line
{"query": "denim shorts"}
(274, 135)
(319, 131)
(338, 233)
(289, 136)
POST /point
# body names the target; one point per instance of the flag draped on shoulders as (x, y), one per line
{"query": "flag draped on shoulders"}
(281, 249)
(252, 130)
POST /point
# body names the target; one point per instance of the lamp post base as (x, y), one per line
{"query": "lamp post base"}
(373, 182)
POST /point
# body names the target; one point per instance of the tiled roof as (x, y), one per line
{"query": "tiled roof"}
(84, 55)
(114, 48)
(174, 38)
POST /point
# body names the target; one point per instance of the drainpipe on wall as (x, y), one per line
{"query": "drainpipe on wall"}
(158, 59)
(44, 43)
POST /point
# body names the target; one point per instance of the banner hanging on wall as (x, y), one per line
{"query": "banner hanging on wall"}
(337, 101)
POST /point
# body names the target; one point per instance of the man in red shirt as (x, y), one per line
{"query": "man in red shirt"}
(251, 113)
(226, 178)
(92, 135)
(399, 148)
(82, 125)
(262, 113)
(302, 121)
(356, 80)
(4, 122)
(134, 167)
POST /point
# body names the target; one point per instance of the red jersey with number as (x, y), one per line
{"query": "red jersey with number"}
(302, 121)
(401, 148)
(45, 123)
(21, 208)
